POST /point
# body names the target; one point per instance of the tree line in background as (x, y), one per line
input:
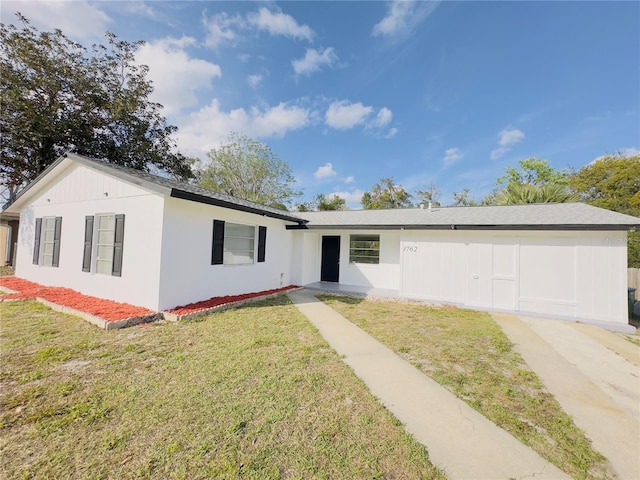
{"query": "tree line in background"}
(57, 95)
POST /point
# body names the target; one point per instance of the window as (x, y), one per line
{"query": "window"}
(107, 251)
(364, 249)
(46, 245)
(235, 243)
(104, 243)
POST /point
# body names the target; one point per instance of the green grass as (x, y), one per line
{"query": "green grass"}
(6, 271)
(467, 352)
(252, 393)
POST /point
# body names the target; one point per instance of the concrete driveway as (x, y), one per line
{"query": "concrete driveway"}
(594, 374)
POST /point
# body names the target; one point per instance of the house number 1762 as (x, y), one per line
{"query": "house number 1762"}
(410, 248)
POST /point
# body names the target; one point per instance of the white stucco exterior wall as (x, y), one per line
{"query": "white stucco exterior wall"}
(384, 275)
(80, 191)
(187, 275)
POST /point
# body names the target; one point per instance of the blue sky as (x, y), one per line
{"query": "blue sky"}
(444, 93)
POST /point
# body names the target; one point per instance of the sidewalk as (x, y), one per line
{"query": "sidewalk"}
(461, 441)
(593, 373)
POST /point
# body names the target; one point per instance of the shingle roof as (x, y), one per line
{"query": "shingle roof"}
(170, 187)
(565, 216)
(560, 216)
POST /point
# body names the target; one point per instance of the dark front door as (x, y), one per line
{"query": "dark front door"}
(330, 265)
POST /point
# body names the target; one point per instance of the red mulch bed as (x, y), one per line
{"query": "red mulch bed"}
(109, 310)
(217, 301)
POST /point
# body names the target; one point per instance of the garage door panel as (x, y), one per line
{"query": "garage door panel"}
(548, 273)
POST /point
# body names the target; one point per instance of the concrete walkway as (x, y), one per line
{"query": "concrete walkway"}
(461, 441)
(594, 375)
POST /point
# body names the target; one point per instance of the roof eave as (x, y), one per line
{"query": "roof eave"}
(558, 227)
(194, 197)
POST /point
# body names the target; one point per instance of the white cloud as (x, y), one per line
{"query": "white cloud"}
(629, 152)
(349, 179)
(222, 28)
(396, 19)
(140, 8)
(391, 133)
(314, 60)
(175, 75)
(210, 127)
(402, 17)
(624, 152)
(451, 155)
(78, 20)
(278, 23)
(383, 118)
(498, 152)
(254, 80)
(325, 171)
(506, 138)
(510, 136)
(353, 199)
(344, 115)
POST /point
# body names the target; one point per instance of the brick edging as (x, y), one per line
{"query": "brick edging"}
(99, 321)
(225, 306)
(152, 317)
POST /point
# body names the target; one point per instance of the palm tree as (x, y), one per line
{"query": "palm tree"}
(522, 193)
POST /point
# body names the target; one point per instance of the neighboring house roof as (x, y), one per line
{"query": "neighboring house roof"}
(164, 186)
(549, 216)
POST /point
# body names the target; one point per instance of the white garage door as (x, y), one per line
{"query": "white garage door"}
(548, 276)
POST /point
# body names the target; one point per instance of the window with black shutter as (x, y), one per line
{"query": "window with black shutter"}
(217, 250)
(262, 243)
(88, 243)
(103, 244)
(36, 241)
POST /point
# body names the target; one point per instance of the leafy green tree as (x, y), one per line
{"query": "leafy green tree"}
(534, 181)
(533, 171)
(386, 195)
(430, 195)
(330, 202)
(57, 96)
(323, 203)
(463, 199)
(613, 182)
(248, 169)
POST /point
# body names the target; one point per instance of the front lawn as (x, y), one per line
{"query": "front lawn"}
(467, 352)
(252, 392)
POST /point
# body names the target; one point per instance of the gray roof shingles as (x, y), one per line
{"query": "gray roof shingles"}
(538, 216)
(569, 216)
(187, 191)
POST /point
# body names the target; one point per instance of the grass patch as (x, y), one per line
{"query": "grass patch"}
(633, 338)
(252, 392)
(467, 352)
(6, 271)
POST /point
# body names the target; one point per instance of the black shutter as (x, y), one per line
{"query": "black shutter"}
(56, 242)
(88, 243)
(262, 243)
(217, 249)
(36, 242)
(118, 241)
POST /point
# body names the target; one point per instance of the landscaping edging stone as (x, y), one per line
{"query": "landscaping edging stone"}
(151, 317)
(99, 321)
(172, 317)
